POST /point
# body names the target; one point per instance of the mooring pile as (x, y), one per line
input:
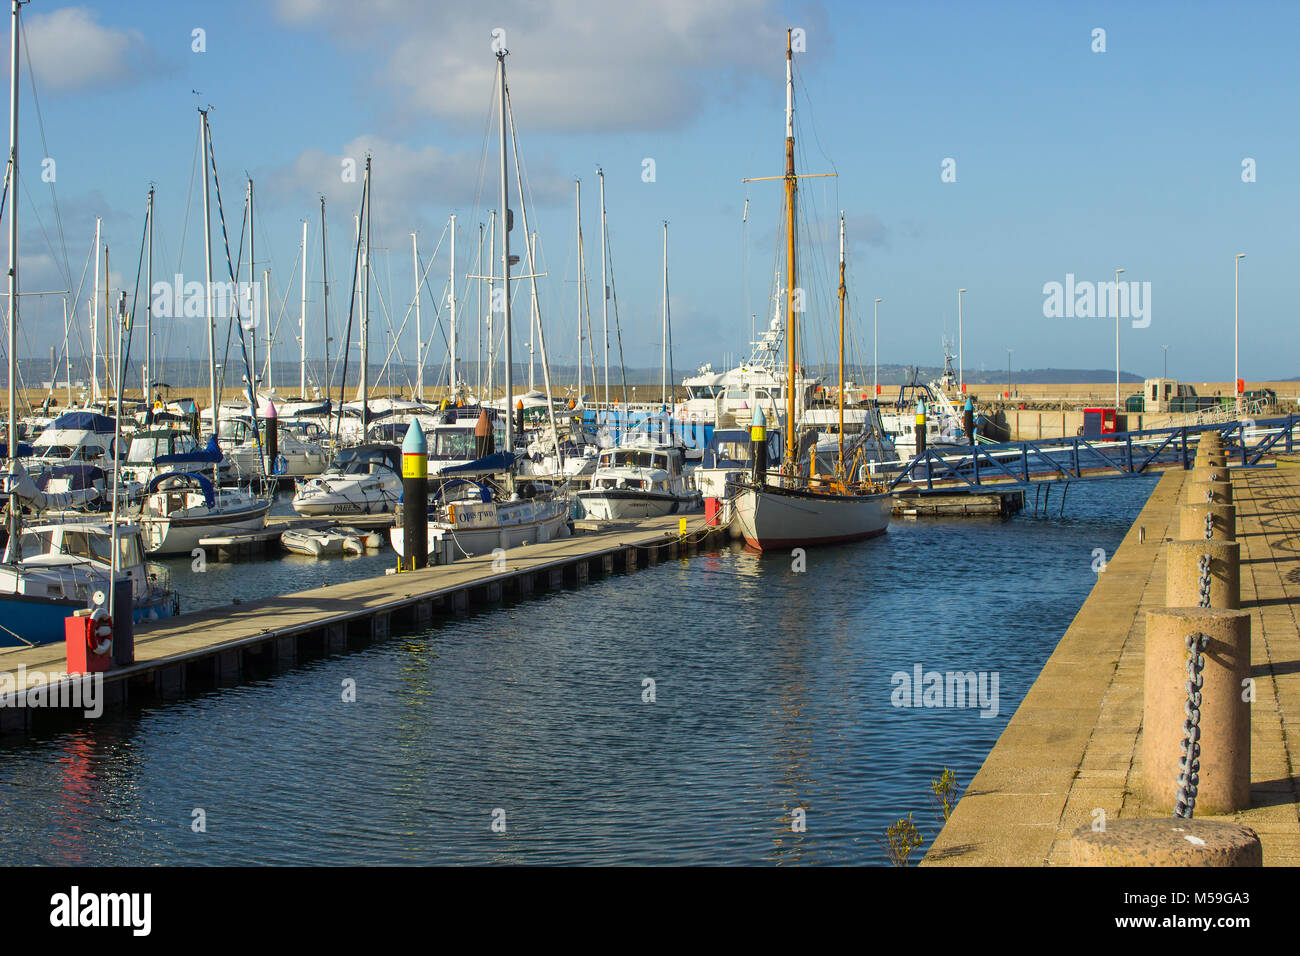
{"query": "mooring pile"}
(1197, 693)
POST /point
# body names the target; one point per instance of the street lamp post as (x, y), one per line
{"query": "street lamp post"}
(961, 374)
(1166, 351)
(1008, 376)
(875, 352)
(1236, 285)
(1117, 311)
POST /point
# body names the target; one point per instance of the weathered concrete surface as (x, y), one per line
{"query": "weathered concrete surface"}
(1072, 753)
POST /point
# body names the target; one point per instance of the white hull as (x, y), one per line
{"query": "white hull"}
(772, 519)
(622, 505)
(182, 535)
(474, 541)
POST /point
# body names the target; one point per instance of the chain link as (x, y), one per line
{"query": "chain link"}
(1209, 525)
(1203, 585)
(1189, 764)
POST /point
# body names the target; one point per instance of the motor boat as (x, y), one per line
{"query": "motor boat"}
(361, 480)
(639, 481)
(182, 508)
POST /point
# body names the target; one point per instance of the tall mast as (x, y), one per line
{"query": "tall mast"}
(451, 315)
(791, 185)
(15, 549)
(108, 311)
(604, 285)
(419, 328)
(266, 310)
(94, 323)
(577, 184)
(842, 474)
(67, 356)
(537, 315)
(663, 374)
(478, 318)
(148, 315)
(505, 259)
(365, 314)
(491, 333)
(325, 281)
(207, 259)
(252, 279)
(302, 320)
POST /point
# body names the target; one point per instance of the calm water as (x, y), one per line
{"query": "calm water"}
(772, 692)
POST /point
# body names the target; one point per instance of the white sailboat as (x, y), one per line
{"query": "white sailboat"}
(799, 507)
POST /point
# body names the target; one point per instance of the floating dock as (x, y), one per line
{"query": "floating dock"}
(221, 646)
(1073, 748)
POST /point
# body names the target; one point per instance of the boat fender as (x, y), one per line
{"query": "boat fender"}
(101, 630)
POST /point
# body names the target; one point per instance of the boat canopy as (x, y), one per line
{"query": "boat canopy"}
(209, 496)
(84, 421)
(209, 454)
(78, 477)
(490, 465)
(484, 492)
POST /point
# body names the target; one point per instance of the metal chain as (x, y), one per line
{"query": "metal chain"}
(1203, 585)
(1189, 764)
(1209, 525)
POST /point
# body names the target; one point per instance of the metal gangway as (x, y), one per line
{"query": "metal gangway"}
(1023, 464)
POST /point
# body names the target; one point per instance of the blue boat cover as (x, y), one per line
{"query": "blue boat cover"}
(80, 477)
(491, 464)
(209, 496)
(89, 421)
(210, 454)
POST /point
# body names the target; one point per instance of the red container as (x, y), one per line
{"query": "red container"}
(712, 510)
(81, 639)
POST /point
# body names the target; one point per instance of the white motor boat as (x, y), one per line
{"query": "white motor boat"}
(182, 508)
(639, 481)
(361, 480)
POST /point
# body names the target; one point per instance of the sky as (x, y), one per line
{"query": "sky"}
(996, 147)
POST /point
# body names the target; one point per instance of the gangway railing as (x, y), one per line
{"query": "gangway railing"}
(1121, 454)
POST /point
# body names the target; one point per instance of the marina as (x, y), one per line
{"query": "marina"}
(544, 436)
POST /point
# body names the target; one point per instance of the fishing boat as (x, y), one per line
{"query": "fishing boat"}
(361, 480)
(639, 481)
(799, 506)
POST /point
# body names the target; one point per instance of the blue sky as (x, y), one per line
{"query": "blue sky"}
(1067, 161)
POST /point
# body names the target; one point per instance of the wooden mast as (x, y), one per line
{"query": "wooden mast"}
(843, 476)
(790, 464)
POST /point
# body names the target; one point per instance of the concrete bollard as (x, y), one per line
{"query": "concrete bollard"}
(1220, 492)
(1183, 573)
(1223, 521)
(1224, 716)
(1202, 473)
(1211, 439)
(1166, 841)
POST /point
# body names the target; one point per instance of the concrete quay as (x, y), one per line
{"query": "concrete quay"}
(1072, 752)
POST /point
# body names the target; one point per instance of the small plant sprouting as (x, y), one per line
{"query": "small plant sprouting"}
(901, 839)
(944, 790)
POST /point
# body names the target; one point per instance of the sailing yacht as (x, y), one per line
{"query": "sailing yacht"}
(799, 506)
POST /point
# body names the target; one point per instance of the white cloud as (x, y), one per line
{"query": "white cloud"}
(409, 184)
(71, 50)
(574, 64)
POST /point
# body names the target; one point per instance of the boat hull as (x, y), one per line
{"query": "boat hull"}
(774, 518)
(618, 504)
(168, 535)
(468, 542)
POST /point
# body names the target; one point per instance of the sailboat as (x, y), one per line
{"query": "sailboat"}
(181, 508)
(797, 507)
(35, 598)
